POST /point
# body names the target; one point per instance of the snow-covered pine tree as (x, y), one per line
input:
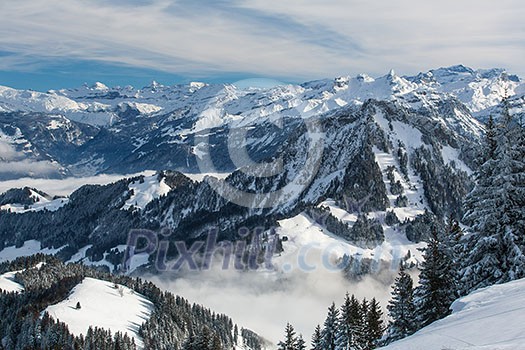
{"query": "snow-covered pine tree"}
(374, 325)
(495, 210)
(331, 326)
(344, 333)
(351, 324)
(290, 339)
(301, 344)
(437, 289)
(514, 213)
(317, 339)
(401, 308)
(452, 240)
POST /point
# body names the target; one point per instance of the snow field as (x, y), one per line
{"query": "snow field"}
(103, 306)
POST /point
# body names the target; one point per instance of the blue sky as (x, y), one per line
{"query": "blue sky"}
(57, 43)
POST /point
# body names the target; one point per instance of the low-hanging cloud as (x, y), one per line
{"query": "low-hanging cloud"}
(25, 167)
(7, 152)
(64, 186)
(265, 301)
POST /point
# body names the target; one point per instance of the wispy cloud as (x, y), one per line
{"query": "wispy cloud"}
(293, 39)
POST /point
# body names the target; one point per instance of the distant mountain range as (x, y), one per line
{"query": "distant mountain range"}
(96, 129)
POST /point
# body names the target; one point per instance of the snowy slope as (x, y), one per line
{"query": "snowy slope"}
(310, 245)
(41, 202)
(30, 247)
(145, 191)
(491, 318)
(8, 284)
(102, 306)
(27, 100)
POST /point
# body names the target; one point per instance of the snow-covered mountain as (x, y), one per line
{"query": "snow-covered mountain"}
(95, 129)
(375, 158)
(394, 147)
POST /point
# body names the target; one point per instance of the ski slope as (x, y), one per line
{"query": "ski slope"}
(491, 318)
(102, 306)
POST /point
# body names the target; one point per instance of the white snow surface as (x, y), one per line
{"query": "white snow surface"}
(146, 191)
(451, 155)
(8, 284)
(30, 247)
(216, 104)
(491, 318)
(200, 177)
(310, 245)
(103, 307)
(41, 203)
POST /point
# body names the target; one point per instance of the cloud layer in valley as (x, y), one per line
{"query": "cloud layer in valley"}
(265, 301)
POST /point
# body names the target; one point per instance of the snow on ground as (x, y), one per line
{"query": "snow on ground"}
(412, 139)
(310, 245)
(146, 191)
(135, 262)
(200, 177)
(80, 255)
(8, 284)
(102, 306)
(143, 108)
(30, 247)
(412, 188)
(304, 277)
(452, 155)
(491, 318)
(43, 203)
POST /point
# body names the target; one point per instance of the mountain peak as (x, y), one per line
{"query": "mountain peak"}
(365, 78)
(99, 86)
(153, 86)
(459, 68)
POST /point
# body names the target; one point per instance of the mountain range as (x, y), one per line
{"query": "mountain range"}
(397, 147)
(122, 130)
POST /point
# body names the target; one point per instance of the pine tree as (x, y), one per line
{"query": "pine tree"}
(490, 141)
(329, 332)
(301, 344)
(514, 217)
(317, 339)
(290, 340)
(495, 210)
(402, 308)
(452, 241)
(437, 289)
(374, 325)
(344, 332)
